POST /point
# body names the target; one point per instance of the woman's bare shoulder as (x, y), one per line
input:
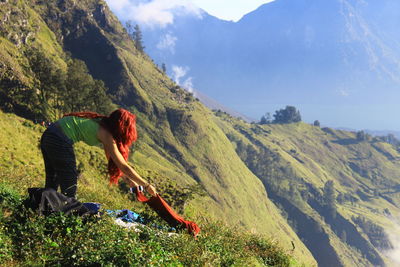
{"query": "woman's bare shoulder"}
(104, 135)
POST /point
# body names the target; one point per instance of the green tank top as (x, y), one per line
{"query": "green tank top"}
(80, 129)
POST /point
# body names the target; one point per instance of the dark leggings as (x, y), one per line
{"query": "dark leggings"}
(59, 160)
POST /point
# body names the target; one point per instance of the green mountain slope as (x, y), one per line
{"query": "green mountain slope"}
(179, 144)
(25, 239)
(349, 226)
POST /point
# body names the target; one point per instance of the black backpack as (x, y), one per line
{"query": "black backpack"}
(47, 201)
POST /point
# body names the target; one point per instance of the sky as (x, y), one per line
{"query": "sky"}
(160, 13)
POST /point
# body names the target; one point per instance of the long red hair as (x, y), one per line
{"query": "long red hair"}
(121, 124)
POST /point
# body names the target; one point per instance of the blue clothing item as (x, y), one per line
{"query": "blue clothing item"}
(126, 215)
(92, 206)
(130, 216)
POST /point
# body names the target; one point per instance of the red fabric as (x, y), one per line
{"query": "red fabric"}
(162, 208)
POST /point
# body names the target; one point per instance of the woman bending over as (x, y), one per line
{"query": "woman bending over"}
(116, 132)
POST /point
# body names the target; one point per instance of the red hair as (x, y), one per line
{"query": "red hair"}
(121, 124)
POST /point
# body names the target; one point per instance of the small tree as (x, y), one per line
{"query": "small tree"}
(129, 28)
(163, 68)
(330, 197)
(49, 80)
(83, 92)
(266, 119)
(100, 102)
(316, 123)
(363, 136)
(287, 115)
(391, 139)
(138, 38)
(263, 120)
(78, 84)
(343, 236)
(136, 35)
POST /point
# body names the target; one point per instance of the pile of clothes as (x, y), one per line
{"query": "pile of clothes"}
(47, 201)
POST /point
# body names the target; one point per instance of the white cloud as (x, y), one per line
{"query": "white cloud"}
(118, 5)
(179, 73)
(188, 84)
(393, 234)
(394, 254)
(343, 92)
(155, 13)
(167, 42)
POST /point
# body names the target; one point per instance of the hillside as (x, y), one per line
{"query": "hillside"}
(179, 148)
(349, 221)
(25, 239)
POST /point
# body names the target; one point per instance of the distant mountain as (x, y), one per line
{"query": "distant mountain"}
(214, 105)
(373, 132)
(337, 60)
(383, 133)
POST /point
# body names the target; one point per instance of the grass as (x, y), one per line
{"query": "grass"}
(31, 240)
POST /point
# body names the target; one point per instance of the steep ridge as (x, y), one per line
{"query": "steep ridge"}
(296, 163)
(178, 139)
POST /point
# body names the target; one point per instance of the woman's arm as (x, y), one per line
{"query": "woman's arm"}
(131, 176)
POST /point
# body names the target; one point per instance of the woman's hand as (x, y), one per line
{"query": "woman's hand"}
(111, 149)
(151, 189)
